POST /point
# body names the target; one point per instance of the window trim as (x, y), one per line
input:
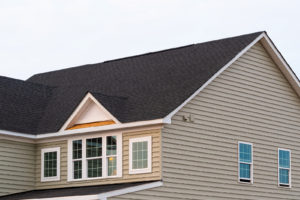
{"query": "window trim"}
(54, 178)
(149, 168)
(104, 161)
(290, 169)
(251, 164)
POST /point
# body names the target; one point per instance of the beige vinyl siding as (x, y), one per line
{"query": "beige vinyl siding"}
(16, 166)
(250, 101)
(156, 163)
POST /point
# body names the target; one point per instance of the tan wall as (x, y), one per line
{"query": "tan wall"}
(251, 101)
(156, 163)
(16, 166)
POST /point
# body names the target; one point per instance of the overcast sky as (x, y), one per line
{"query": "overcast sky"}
(44, 35)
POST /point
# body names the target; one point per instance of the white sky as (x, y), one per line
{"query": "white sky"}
(44, 35)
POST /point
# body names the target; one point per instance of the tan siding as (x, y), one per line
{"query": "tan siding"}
(251, 101)
(156, 163)
(16, 166)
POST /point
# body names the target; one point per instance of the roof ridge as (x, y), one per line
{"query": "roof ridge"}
(145, 54)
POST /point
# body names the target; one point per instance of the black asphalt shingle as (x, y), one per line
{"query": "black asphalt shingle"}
(70, 192)
(137, 88)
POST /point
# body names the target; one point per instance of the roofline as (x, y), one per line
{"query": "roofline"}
(271, 49)
(104, 196)
(63, 133)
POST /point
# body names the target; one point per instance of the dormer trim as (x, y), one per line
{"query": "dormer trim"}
(80, 109)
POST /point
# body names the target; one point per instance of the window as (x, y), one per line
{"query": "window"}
(95, 157)
(284, 167)
(140, 152)
(245, 162)
(50, 161)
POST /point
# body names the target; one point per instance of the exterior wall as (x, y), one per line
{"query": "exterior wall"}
(156, 163)
(251, 101)
(17, 166)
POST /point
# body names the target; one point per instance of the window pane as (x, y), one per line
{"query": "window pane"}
(77, 149)
(94, 168)
(112, 166)
(245, 152)
(111, 145)
(94, 147)
(245, 171)
(78, 169)
(284, 176)
(139, 155)
(50, 164)
(284, 159)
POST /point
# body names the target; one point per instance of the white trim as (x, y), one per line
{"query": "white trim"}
(87, 97)
(149, 159)
(104, 196)
(84, 159)
(17, 134)
(84, 130)
(57, 177)
(251, 164)
(272, 50)
(290, 169)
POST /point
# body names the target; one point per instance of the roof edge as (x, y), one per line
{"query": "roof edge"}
(63, 133)
(146, 186)
(168, 118)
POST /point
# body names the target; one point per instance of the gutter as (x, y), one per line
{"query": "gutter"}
(84, 130)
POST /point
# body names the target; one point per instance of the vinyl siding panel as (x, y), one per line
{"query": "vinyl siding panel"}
(251, 101)
(17, 166)
(156, 163)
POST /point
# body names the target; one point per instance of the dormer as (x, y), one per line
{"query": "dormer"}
(89, 113)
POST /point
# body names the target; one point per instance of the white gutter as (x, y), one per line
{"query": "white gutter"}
(146, 186)
(83, 130)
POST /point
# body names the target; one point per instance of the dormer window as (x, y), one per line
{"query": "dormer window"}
(95, 157)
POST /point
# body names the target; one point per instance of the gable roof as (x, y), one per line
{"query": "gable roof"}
(138, 88)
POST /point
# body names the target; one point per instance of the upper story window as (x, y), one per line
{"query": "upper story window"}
(245, 162)
(50, 162)
(140, 153)
(95, 157)
(284, 167)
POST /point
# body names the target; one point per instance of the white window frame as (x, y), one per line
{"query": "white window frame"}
(251, 164)
(54, 178)
(85, 159)
(144, 170)
(290, 169)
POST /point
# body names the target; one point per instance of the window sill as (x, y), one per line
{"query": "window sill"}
(245, 182)
(140, 171)
(284, 186)
(96, 178)
(50, 179)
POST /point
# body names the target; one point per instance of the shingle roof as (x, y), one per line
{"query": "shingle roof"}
(69, 192)
(137, 88)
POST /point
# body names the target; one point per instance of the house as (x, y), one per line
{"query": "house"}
(216, 120)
